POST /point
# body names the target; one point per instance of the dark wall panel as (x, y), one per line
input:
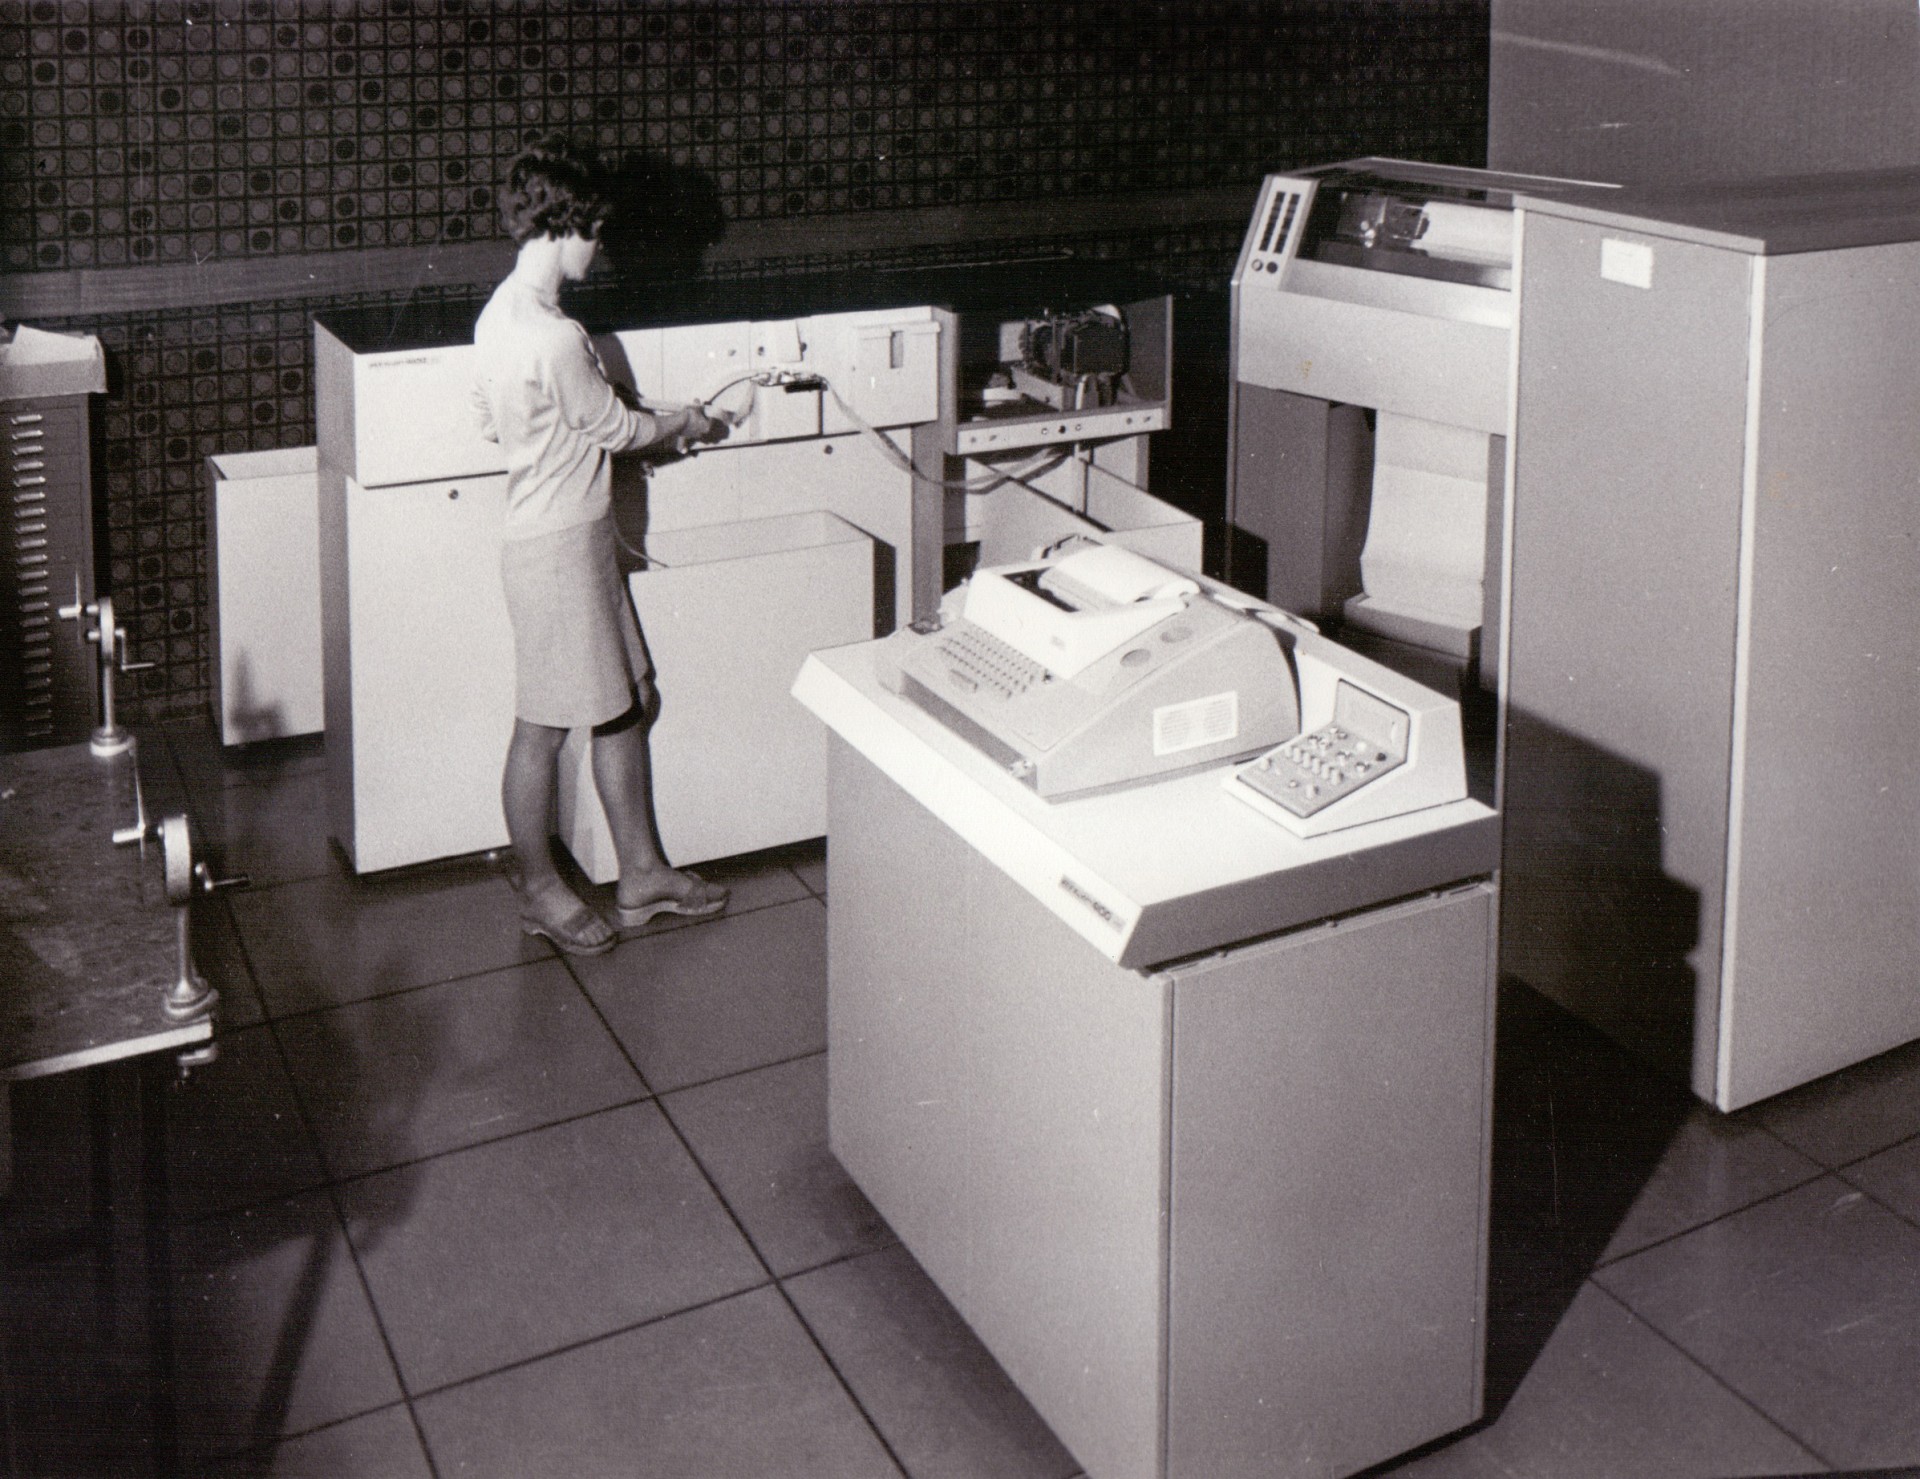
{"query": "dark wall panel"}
(1659, 92)
(157, 134)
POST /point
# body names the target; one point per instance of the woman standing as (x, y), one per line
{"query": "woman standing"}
(578, 656)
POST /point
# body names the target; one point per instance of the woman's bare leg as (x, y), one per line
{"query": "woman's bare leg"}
(526, 796)
(623, 775)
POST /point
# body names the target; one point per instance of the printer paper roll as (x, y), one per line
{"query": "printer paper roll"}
(1467, 233)
(1114, 576)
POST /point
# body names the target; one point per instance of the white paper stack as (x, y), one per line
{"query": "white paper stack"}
(1425, 551)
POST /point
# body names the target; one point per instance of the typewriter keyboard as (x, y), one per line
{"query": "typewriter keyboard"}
(976, 660)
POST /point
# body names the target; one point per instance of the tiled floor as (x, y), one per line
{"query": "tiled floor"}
(450, 1204)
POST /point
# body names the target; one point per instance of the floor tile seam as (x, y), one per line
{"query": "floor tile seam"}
(333, 1176)
(427, 1394)
(421, 871)
(420, 1437)
(1714, 1376)
(292, 768)
(784, 1294)
(395, 992)
(673, 1128)
(245, 1208)
(586, 995)
(380, 1328)
(1785, 1191)
(329, 1178)
(411, 1396)
(332, 1193)
(354, 1178)
(1801, 1150)
(173, 754)
(405, 1399)
(838, 1259)
(228, 781)
(550, 953)
(1840, 1167)
(313, 1144)
(300, 1107)
(265, 1446)
(477, 863)
(366, 1293)
(1868, 1192)
(737, 1073)
(833, 1366)
(712, 1185)
(270, 773)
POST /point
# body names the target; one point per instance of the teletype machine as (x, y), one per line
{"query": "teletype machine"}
(1161, 949)
(1098, 668)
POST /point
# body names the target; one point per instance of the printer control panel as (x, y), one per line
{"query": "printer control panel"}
(1366, 740)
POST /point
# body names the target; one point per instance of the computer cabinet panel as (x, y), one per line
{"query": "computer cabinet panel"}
(1626, 563)
(1224, 1220)
(48, 673)
(1710, 775)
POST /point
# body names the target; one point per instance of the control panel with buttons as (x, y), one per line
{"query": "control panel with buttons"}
(1308, 773)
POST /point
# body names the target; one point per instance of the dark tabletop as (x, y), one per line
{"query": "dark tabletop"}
(87, 937)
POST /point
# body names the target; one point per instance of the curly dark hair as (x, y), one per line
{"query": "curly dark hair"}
(554, 188)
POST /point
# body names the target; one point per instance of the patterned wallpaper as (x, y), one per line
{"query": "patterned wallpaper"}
(166, 132)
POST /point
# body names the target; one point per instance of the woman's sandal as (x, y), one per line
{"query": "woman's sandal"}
(569, 935)
(705, 899)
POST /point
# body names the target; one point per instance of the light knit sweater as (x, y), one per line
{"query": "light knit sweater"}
(543, 395)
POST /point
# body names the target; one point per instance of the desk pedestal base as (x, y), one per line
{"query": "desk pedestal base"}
(1223, 1219)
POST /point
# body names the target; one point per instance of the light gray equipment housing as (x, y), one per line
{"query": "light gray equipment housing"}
(1186, 1112)
(1711, 781)
(1373, 310)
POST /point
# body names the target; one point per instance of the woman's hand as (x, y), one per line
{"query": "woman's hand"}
(705, 425)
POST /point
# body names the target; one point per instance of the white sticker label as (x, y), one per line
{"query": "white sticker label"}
(1197, 722)
(1629, 262)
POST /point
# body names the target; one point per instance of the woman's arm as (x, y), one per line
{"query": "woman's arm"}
(589, 403)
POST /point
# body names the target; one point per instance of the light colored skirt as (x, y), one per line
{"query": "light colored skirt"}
(577, 649)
